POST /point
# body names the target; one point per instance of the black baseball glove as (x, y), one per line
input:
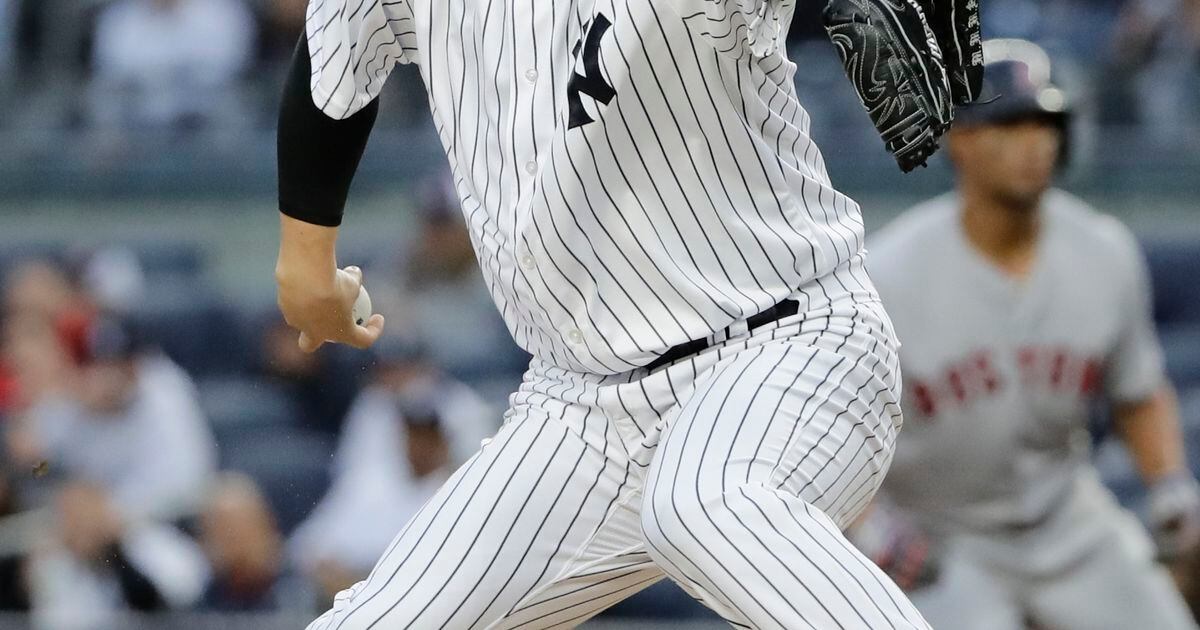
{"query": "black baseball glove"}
(911, 62)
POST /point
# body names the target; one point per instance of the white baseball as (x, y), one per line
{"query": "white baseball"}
(361, 311)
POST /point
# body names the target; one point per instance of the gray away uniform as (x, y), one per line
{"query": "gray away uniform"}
(993, 460)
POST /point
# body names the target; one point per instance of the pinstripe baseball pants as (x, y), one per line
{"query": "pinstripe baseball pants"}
(732, 472)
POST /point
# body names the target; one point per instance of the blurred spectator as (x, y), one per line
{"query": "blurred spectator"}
(443, 299)
(44, 317)
(130, 423)
(43, 289)
(169, 63)
(102, 563)
(1157, 45)
(322, 383)
(114, 279)
(245, 549)
(9, 388)
(35, 364)
(405, 434)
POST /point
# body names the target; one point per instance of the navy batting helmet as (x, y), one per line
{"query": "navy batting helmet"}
(1016, 86)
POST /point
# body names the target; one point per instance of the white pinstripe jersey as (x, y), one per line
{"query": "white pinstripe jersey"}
(634, 173)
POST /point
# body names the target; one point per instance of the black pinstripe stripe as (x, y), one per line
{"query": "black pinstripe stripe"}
(614, 595)
(658, 223)
(833, 422)
(711, 149)
(504, 540)
(841, 473)
(607, 512)
(666, 156)
(395, 543)
(719, 414)
(674, 116)
(728, 457)
(653, 509)
(478, 532)
(541, 526)
(864, 597)
(421, 539)
(849, 552)
(622, 572)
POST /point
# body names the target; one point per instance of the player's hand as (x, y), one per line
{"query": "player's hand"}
(1174, 515)
(896, 545)
(315, 296)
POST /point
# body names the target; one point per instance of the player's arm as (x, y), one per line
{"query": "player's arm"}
(317, 157)
(1146, 412)
(1150, 430)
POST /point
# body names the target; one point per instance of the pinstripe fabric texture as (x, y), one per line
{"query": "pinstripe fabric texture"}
(634, 174)
(637, 174)
(732, 472)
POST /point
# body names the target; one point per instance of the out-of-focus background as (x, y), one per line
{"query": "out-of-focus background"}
(137, 166)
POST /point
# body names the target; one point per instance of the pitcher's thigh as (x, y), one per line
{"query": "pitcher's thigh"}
(810, 422)
(505, 525)
(727, 512)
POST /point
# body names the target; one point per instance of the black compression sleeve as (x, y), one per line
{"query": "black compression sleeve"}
(317, 155)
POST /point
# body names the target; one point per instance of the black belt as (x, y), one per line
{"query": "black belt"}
(786, 308)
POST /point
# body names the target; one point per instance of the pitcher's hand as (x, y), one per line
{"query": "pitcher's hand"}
(315, 296)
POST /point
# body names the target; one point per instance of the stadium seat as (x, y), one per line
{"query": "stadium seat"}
(291, 467)
(1181, 349)
(13, 253)
(1189, 414)
(1174, 266)
(169, 259)
(195, 328)
(235, 406)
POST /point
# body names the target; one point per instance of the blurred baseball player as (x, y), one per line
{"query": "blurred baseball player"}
(714, 388)
(1018, 305)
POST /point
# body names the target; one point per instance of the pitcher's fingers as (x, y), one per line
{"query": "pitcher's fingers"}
(363, 337)
(308, 344)
(356, 272)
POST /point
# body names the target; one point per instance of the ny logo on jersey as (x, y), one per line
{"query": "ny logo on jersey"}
(592, 82)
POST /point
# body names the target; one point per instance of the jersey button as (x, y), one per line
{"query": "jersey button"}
(575, 336)
(528, 262)
(531, 167)
(531, 75)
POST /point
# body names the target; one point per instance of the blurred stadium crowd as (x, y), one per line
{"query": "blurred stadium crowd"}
(209, 71)
(168, 449)
(231, 472)
(187, 64)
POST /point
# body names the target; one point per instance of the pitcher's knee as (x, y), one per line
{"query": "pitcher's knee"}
(676, 517)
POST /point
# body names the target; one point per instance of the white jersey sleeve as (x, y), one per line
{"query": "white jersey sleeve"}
(354, 44)
(738, 27)
(1135, 367)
